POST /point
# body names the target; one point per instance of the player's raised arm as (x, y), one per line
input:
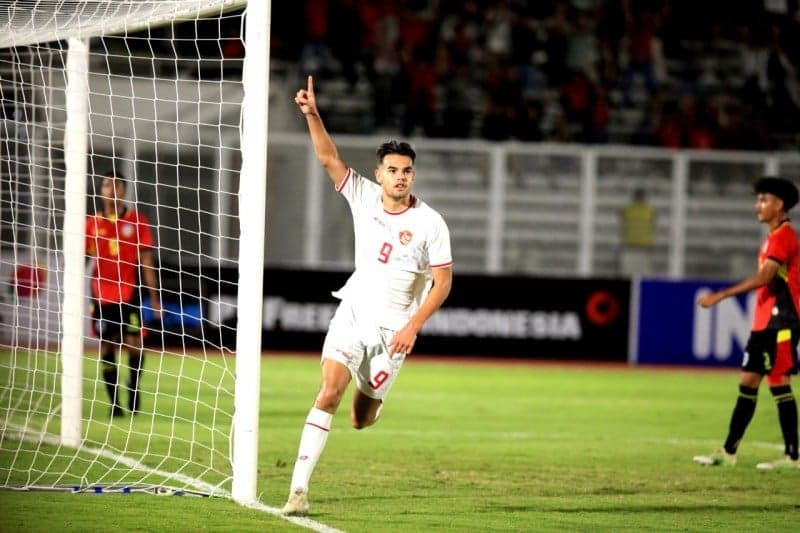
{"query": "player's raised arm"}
(323, 144)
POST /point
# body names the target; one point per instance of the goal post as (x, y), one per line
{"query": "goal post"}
(76, 148)
(252, 205)
(174, 95)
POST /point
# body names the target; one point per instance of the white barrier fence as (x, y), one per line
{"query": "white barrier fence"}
(538, 209)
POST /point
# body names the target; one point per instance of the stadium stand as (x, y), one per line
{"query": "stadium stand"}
(670, 73)
(659, 72)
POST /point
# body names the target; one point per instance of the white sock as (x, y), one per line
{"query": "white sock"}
(312, 442)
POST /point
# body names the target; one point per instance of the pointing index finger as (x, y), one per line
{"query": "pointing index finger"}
(310, 84)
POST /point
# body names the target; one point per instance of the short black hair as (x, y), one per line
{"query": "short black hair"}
(395, 147)
(780, 187)
(117, 177)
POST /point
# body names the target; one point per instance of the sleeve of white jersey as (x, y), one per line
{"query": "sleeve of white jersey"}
(439, 253)
(354, 187)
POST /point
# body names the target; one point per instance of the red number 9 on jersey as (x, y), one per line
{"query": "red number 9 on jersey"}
(379, 379)
(386, 251)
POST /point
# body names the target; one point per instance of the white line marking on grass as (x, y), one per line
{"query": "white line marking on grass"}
(522, 435)
(28, 435)
(300, 521)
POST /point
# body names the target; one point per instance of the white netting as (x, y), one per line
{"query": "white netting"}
(164, 102)
(37, 21)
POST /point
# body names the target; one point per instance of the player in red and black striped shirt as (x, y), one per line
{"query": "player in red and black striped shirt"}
(120, 240)
(771, 350)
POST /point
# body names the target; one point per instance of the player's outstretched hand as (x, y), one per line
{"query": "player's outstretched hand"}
(709, 299)
(306, 100)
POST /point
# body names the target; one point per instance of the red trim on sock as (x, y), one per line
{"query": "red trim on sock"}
(317, 426)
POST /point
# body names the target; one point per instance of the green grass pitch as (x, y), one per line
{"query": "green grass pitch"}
(467, 446)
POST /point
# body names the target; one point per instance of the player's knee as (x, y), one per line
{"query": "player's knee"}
(361, 422)
(329, 398)
(781, 391)
(365, 419)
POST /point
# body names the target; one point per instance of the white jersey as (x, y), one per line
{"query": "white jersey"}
(394, 253)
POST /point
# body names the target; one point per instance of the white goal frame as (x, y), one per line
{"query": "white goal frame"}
(252, 203)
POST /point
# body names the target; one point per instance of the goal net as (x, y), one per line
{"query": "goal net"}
(156, 91)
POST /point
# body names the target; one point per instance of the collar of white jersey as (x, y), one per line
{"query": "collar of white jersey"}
(414, 202)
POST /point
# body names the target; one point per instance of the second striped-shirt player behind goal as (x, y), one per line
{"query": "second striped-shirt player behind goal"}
(403, 274)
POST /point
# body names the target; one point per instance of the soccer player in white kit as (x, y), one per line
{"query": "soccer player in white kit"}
(403, 274)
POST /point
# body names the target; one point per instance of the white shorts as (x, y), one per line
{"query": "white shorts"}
(363, 349)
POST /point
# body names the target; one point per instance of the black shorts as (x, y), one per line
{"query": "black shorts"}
(112, 322)
(772, 352)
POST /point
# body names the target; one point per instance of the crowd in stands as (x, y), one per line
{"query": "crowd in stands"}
(673, 73)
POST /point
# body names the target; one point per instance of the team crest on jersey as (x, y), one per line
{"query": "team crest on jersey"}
(405, 237)
(127, 230)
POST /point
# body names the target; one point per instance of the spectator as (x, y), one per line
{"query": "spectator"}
(600, 115)
(316, 54)
(700, 130)
(638, 223)
(457, 113)
(527, 126)
(610, 30)
(669, 132)
(502, 93)
(347, 38)
(460, 30)
(498, 29)
(784, 86)
(422, 79)
(557, 30)
(754, 57)
(642, 28)
(387, 67)
(527, 53)
(576, 101)
(582, 47)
